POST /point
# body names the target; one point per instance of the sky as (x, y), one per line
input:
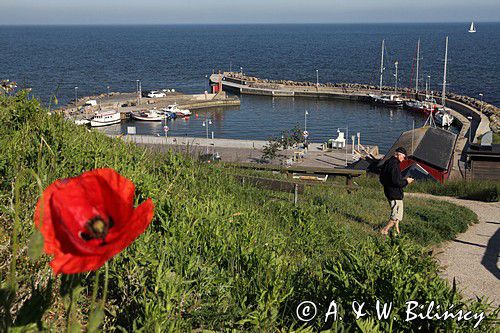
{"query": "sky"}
(20, 12)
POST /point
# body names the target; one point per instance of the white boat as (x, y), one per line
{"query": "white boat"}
(175, 110)
(386, 99)
(444, 118)
(82, 122)
(150, 115)
(105, 118)
(472, 28)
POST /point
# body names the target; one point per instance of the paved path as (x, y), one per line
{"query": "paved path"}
(472, 257)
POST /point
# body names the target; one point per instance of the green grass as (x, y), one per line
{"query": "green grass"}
(220, 255)
(496, 138)
(484, 190)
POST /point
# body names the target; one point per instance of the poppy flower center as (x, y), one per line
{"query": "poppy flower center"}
(96, 228)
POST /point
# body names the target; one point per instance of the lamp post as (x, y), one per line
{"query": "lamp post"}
(76, 96)
(346, 137)
(241, 70)
(317, 78)
(481, 95)
(306, 134)
(206, 124)
(108, 90)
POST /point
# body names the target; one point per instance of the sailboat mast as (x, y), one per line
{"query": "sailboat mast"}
(382, 66)
(418, 64)
(443, 98)
(396, 84)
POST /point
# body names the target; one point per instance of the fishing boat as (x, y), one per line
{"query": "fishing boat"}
(178, 112)
(386, 99)
(105, 118)
(472, 28)
(150, 115)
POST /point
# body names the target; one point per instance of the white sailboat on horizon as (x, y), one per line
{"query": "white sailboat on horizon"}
(472, 28)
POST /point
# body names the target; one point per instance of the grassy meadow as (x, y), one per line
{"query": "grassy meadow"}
(219, 255)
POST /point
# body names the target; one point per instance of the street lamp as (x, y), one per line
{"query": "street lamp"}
(206, 124)
(317, 78)
(481, 95)
(241, 70)
(76, 95)
(108, 90)
(306, 134)
(470, 129)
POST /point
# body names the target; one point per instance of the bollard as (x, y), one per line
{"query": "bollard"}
(296, 194)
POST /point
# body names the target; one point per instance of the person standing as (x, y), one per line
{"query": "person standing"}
(394, 183)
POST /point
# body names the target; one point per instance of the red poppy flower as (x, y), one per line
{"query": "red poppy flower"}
(88, 219)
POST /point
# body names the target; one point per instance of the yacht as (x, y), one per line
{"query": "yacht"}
(150, 115)
(472, 28)
(388, 99)
(427, 106)
(444, 118)
(105, 118)
(178, 112)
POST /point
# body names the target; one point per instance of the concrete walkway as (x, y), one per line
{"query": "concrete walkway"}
(472, 257)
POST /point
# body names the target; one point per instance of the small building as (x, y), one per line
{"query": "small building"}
(484, 160)
(430, 153)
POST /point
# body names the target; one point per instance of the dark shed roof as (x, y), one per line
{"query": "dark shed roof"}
(478, 150)
(432, 146)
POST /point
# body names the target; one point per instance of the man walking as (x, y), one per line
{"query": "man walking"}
(393, 183)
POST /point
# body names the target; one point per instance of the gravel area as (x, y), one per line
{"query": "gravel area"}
(472, 257)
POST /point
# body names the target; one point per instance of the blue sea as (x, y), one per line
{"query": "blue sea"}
(55, 59)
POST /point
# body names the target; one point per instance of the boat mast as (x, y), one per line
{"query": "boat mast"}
(396, 75)
(443, 97)
(418, 63)
(382, 66)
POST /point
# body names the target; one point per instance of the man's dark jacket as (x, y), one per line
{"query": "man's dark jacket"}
(392, 179)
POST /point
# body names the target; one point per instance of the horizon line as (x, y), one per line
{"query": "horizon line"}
(227, 24)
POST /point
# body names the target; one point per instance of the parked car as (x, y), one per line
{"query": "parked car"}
(156, 94)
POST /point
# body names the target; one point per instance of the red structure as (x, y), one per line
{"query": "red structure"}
(430, 153)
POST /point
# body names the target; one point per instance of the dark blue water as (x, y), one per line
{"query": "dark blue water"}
(56, 59)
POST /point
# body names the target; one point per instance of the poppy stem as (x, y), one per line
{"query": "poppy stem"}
(17, 222)
(106, 280)
(96, 287)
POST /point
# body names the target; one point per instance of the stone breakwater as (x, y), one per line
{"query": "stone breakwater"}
(489, 110)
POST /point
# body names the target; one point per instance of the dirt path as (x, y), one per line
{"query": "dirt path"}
(472, 257)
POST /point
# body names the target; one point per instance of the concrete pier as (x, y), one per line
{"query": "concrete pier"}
(248, 151)
(126, 103)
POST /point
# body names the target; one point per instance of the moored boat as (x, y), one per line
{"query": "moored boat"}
(150, 115)
(427, 106)
(178, 112)
(388, 100)
(105, 118)
(444, 118)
